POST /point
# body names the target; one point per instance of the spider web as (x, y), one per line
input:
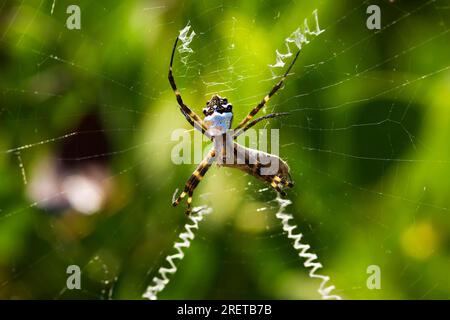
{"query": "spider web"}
(366, 143)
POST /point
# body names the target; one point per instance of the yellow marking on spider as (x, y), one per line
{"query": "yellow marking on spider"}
(189, 200)
(266, 98)
(277, 179)
(273, 184)
(198, 175)
(182, 195)
(177, 93)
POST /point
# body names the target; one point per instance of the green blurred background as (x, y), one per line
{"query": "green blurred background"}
(367, 143)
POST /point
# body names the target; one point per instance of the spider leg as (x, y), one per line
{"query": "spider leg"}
(252, 123)
(276, 182)
(282, 181)
(277, 187)
(190, 115)
(275, 88)
(286, 183)
(194, 180)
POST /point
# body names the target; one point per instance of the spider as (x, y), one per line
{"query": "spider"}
(216, 125)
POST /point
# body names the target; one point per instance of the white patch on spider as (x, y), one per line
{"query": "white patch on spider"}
(218, 123)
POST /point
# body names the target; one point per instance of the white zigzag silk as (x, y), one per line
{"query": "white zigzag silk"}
(161, 281)
(310, 263)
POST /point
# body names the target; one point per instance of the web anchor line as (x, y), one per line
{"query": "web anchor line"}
(160, 282)
(311, 258)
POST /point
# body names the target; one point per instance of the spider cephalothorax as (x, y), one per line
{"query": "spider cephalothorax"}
(218, 115)
(217, 104)
(216, 125)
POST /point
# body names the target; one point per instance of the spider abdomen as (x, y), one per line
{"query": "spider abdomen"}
(264, 166)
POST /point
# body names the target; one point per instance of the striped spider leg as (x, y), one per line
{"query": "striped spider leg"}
(198, 124)
(275, 88)
(194, 180)
(252, 123)
(190, 115)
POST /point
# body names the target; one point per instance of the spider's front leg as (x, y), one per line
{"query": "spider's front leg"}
(263, 102)
(190, 115)
(194, 180)
(237, 133)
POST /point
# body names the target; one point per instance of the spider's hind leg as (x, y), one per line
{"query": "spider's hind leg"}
(278, 189)
(276, 183)
(279, 182)
(287, 183)
(177, 201)
(189, 201)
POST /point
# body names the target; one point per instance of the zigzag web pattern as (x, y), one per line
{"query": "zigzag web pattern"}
(311, 258)
(160, 282)
(299, 37)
